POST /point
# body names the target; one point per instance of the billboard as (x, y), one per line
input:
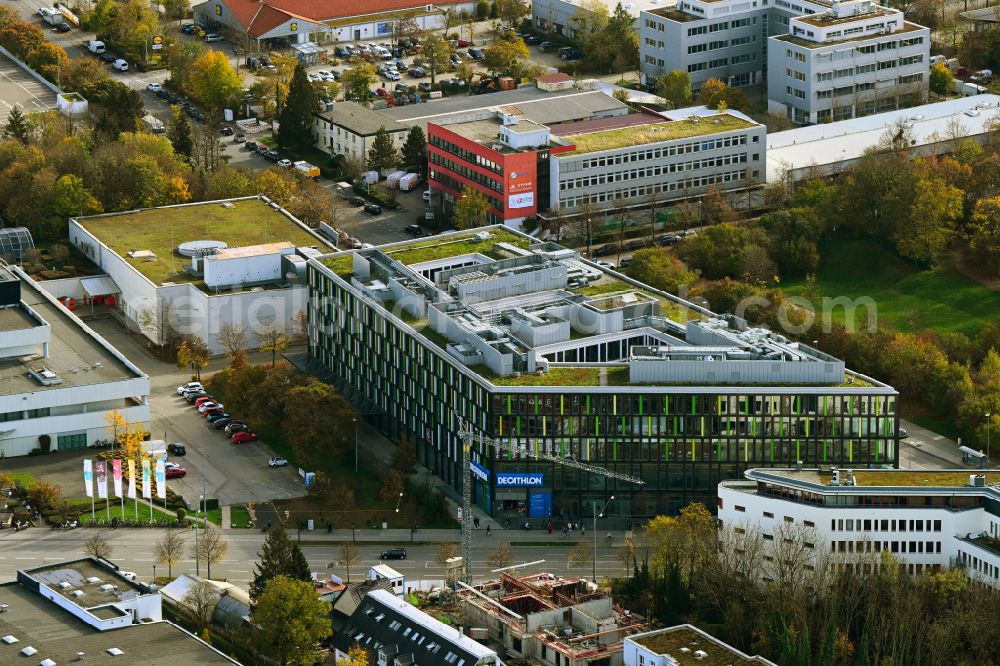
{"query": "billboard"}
(525, 200)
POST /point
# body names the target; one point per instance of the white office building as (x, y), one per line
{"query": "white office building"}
(927, 519)
(822, 60)
(58, 378)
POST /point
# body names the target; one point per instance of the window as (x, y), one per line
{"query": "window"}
(824, 76)
(824, 94)
(864, 69)
(741, 509)
(768, 514)
(696, 67)
(808, 523)
(697, 48)
(720, 62)
(789, 519)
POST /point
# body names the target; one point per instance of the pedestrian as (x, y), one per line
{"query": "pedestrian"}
(475, 522)
(487, 530)
(548, 527)
(583, 530)
(507, 522)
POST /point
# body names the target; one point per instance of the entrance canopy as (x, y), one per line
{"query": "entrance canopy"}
(102, 285)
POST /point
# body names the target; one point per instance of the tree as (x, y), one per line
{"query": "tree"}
(193, 353)
(660, 269)
(471, 209)
(382, 156)
(415, 151)
(512, 12)
(177, 9)
(97, 546)
(17, 126)
(317, 420)
(179, 131)
(296, 116)
(358, 81)
(940, 79)
(501, 557)
(200, 603)
(507, 57)
(936, 207)
(44, 495)
(277, 558)
(623, 39)
(117, 107)
(21, 38)
(675, 87)
(445, 551)
(436, 55)
(984, 233)
(211, 547)
(233, 338)
(356, 655)
(290, 621)
(213, 81)
(621, 95)
(182, 56)
(348, 556)
(273, 339)
(116, 424)
(482, 10)
(168, 550)
(581, 554)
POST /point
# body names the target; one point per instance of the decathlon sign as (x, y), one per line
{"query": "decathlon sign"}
(520, 479)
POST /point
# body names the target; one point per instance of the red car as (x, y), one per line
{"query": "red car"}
(176, 472)
(203, 399)
(464, 42)
(243, 437)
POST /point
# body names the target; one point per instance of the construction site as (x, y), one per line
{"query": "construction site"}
(542, 618)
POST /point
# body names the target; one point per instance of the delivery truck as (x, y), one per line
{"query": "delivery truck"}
(392, 180)
(307, 169)
(408, 182)
(96, 46)
(51, 16)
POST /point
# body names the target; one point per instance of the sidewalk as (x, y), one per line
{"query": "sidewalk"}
(537, 537)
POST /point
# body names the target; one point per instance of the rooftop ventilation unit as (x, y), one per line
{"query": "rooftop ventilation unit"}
(45, 377)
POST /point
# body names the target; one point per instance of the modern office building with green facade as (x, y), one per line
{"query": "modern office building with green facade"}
(551, 354)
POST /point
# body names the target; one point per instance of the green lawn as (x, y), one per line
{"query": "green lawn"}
(24, 479)
(215, 516)
(909, 299)
(161, 230)
(239, 516)
(83, 506)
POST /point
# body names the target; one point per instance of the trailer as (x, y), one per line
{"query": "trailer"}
(392, 180)
(408, 182)
(51, 16)
(153, 124)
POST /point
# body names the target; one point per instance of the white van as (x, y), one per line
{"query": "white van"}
(936, 59)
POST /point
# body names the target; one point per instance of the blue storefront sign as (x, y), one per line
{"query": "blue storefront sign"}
(540, 504)
(510, 479)
(479, 471)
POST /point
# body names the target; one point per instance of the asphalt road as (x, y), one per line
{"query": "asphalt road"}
(132, 551)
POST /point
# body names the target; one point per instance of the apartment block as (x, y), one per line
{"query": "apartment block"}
(927, 519)
(822, 61)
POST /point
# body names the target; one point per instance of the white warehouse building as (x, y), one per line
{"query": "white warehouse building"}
(59, 378)
(927, 519)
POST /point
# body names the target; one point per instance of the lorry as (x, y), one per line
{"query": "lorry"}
(392, 180)
(153, 124)
(51, 16)
(408, 182)
(307, 169)
(96, 46)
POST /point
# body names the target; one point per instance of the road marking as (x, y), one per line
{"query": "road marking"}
(237, 571)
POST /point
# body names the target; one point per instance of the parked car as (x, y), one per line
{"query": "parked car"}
(227, 131)
(217, 416)
(373, 209)
(285, 163)
(464, 43)
(120, 64)
(342, 52)
(188, 28)
(413, 230)
(418, 72)
(175, 472)
(243, 437)
(356, 200)
(154, 87)
(277, 462)
(625, 262)
(202, 399)
(272, 156)
(605, 251)
(190, 386)
(176, 449)
(424, 87)
(546, 46)
(669, 239)
(204, 407)
(401, 65)
(393, 554)
(606, 264)
(531, 40)
(393, 75)
(636, 244)
(476, 54)
(426, 195)
(191, 397)
(902, 434)
(219, 424)
(234, 426)
(213, 37)
(214, 411)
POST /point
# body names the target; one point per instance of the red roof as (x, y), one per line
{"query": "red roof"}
(259, 16)
(555, 77)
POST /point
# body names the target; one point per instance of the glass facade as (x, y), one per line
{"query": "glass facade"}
(681, 440)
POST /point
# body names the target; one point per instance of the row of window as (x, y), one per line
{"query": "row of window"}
(980, 566)
(458, 186)
(672, 186)
(865, 546)
(708, 46)
(464, 154)
(861, 87)
(884, 525)
(667, 151)
(29, 414)
(465, 171)
(634, 174)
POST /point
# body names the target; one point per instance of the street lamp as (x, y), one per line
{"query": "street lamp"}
(355, 445)
(594, 532)
(197, 558)
(398, 501)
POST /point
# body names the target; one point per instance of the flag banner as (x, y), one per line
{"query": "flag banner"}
(147, 491)
(131, 479)
(161, 479)
(102, 479)
(88, 477)
(116, 469)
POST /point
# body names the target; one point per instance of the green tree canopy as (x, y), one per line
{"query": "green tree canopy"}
(415, 150)
(358, 81)
(471, 209)
(296, 117)
(289, 622)
(675, 87)
(382, 156)
(277, 557)
(212, 80)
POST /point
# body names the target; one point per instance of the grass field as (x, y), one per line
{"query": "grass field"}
(83, 507)
(909, 299)
(161, 230)
(239, 516)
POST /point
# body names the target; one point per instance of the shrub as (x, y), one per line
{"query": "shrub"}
(55, 519)
(181, 513)
(35, 452)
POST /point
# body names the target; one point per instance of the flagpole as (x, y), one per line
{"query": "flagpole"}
(93, 516)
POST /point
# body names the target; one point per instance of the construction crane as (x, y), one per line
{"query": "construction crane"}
(469, 437)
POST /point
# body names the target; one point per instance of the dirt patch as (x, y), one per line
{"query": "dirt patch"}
(967, 266)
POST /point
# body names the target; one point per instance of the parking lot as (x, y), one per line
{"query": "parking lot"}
(19, 88)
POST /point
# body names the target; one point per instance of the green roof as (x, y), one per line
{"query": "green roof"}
(160, 230)
(655, 132)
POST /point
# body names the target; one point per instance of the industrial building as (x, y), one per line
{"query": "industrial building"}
(86, 611)
(545, 619)
(263, 24)
(624, 161)
(927, 519)
(59, 378)
(823, 60)
(931, 129)
(553, 355)
(193, 268)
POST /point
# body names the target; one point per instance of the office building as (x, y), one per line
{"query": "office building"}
(547, 619)
(562, 17)
(684, 645)
(193, 268)
(553, 355)
(396, 633)
(86, 611)
(822, 61)
(927, 519)
(524, 167)
(348, 129)
(59, 378)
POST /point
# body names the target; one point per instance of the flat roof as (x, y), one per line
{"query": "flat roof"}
(360, 119)
(485, 131)
(830, 144)
(540, 106)
(633, 6)
(654, 131)
(236, 222)
(16, 319)
(75, 354)
(826, 19)
(810, 44)
(251, 250)
(55, 634)
(690, 646)
(68, 579)
(881, 478)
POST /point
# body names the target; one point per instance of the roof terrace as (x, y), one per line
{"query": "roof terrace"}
(655, 132)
